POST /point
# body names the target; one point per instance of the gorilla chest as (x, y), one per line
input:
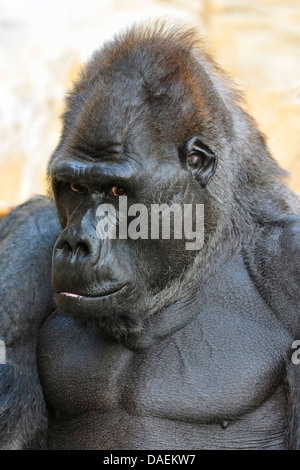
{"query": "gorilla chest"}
(198, 374)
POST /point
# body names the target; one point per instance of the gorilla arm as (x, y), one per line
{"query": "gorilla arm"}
(274, 265)
(27, 236)
(289, 269)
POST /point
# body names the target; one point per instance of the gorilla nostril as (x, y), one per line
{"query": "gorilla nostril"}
(81, 249)
(64, 245)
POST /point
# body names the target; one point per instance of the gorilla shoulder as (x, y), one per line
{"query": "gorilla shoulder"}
(274, 259)
(27, 236)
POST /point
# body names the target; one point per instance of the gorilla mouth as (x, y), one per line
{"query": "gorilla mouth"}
(104, 293)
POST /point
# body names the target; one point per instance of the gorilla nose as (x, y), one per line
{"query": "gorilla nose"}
(73, 248)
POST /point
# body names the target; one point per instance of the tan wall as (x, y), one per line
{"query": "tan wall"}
(42, 43)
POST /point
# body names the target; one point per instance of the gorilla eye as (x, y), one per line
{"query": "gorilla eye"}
(76, 188)
(116, 191)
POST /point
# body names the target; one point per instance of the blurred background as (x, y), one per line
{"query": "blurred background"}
(43, 43)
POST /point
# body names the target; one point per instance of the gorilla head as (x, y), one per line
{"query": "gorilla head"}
(152, 118)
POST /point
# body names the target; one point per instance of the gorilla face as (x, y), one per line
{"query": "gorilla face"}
(121, 138)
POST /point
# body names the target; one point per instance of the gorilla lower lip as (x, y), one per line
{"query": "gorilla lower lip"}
(102, 294)
(69, 294)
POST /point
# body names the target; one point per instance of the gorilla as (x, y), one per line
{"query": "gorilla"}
(139, 342)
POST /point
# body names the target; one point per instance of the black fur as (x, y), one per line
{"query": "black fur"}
(155, 108)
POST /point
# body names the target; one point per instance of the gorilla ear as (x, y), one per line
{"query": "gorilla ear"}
(201, 161)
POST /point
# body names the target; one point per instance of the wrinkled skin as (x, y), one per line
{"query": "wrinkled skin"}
(143, 344)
